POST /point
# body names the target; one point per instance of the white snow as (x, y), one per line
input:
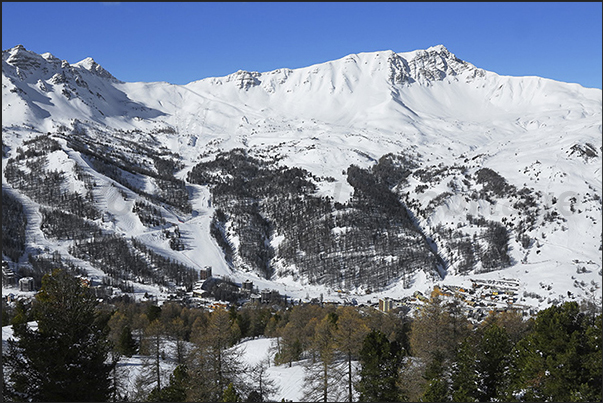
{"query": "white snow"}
(327, 116)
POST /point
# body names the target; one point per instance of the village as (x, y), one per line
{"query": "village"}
(212, 292)
(477, 301)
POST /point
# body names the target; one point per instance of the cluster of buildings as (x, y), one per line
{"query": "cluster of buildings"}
(477, 301)
(224, 289)
(483, 297)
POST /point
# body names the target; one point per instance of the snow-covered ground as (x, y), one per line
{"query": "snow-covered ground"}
(323, 118)
(288, 380)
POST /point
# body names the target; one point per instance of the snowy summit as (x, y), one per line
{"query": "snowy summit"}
(377, 174)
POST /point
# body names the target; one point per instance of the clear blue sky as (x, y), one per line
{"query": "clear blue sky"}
(184, 42)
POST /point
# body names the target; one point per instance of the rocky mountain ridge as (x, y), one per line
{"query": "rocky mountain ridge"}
(378, 172)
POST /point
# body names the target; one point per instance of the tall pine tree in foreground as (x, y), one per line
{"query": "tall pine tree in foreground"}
(560, 359)
(65, 358)
(380, 364)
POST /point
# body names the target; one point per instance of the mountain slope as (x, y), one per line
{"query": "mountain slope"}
(408, 169)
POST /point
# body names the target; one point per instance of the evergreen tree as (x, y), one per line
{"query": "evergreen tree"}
(591, 388)
(464, 373)
(175, 391)
(380, 362)
(230, 394)
(560, 359)
(65, 359)
(21, 313)
(438, 387)
(126, 344)
(493, 361)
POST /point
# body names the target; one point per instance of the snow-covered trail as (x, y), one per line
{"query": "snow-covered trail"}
(33, 233)
(201, 249)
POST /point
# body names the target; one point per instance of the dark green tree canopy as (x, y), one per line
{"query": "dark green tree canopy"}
(65, 358)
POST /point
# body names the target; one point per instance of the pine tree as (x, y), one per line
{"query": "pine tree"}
(493, 361)
(175, 391)
(65, 359)
(438, 387)
(556, 360)
(126, 344)
(380, 362)
(230, 394)
(464, 373)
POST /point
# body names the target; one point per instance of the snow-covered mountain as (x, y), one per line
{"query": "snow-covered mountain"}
(287, 177)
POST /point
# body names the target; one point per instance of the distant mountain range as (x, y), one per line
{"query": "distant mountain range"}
(376, 174)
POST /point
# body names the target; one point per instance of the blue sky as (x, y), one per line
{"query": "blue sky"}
(184, 42)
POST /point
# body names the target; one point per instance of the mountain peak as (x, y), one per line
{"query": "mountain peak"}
(438, 48)
(89, 64)
(435, 63)
(22, 58)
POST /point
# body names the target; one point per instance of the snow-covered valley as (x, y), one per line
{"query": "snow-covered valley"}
(478, 161)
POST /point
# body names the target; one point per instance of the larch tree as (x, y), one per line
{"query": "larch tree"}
(263, 387)
(321, 378)
(213, 362)
(151, 376)
(349, 335)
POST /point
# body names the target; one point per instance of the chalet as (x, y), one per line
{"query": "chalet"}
(268, 296)
(8, 276)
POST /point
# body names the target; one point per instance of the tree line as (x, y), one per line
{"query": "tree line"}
(348, 353)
